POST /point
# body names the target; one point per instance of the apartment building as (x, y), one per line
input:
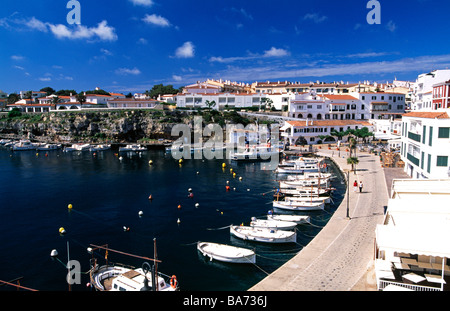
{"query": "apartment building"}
(422, 97)
(425, 144)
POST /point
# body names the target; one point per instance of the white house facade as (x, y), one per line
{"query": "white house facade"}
(425, 147)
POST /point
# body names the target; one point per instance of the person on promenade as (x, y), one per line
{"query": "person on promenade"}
(360, 186)
(355, 186)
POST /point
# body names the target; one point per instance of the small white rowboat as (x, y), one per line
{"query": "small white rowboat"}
(226, 253)
(299, 219)
(272, 224)
(263, 235)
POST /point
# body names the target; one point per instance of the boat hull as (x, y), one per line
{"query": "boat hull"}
(299, 206)
(273, 224)
(263, 235)
(293, 218)
(226, 253)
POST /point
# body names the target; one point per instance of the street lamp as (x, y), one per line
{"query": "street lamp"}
(348, 192)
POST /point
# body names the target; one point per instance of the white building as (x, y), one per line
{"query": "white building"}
(411, 246)
(425, 145)
(221, 100)
(133, 103)
(423, 92)
(313, 131)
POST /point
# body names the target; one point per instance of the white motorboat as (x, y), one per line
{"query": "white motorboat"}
(308, 198)
(78, 147)
(4, 141)
(23, 145)
(300, 161)
(256, 153)
(304, 191)
(298, 169)
(100, 147)
(304, 183)
(272, 224)
(45, 147)
(263, 235)
(226, 253)
(298, 219)
(133, 147)
(309, 175)
(299, 206)
(119, 278)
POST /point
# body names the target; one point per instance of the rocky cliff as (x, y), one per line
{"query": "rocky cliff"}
(113, 126)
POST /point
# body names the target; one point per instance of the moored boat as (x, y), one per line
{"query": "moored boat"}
(100, 147)
(23, 145)
(226, 253)
(256, 153)
(272, 224)
(299, 219)
(133, 147)
(78, 147)
(263, 235)
(299, 206)
(119, 278)
(46, 147)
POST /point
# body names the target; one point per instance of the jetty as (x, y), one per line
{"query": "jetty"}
(341, 256)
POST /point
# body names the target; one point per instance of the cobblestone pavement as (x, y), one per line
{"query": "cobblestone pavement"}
(340, 257)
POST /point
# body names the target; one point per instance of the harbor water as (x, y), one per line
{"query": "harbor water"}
(107, 193)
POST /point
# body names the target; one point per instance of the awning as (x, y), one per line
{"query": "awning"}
(420, 240)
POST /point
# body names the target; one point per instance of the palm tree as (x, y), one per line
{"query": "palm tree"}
(353, 161)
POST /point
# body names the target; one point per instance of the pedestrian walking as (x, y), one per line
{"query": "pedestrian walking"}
(355, 186)
(360, 186)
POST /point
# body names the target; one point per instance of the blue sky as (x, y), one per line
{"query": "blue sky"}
(131, 45)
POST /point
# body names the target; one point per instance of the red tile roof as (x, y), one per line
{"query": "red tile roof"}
(328, 123)
(427, 114)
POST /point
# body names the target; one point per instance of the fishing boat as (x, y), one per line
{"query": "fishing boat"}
(118, 277)
(263, 235)
(272, 224)
(77, 147)
(316, 182)
(133, 147)
(299, 206)
(308, 175)
(47, 147)
(298, 219)
(226, 253)
(256, 153)
(23, 145)
(100, 147)
(304, 191)
(308, 198)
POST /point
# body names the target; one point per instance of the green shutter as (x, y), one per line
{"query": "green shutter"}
(442, 161)
(423, 134)
(429, 163)
(444, 132)
(430, 140)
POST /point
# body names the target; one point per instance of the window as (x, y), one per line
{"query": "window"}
(363, 98)
(424, 134)
(444, 132)
(430, 139)
(442, 161)
(429, 164)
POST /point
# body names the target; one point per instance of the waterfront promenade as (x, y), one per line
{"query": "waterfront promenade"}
(340, 257)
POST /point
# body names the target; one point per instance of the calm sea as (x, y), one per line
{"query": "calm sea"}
(107, 194)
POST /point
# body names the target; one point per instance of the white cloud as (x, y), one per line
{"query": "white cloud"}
(143, 41)
(274, 52)
(187, 50)
(102, 31)
(177, 78)
(19, 67)
(316, 18)
(146, 3)
(156, 20)
(17, 57)
(128, 71)
(45, 79)
(34, 23)
(391, 26)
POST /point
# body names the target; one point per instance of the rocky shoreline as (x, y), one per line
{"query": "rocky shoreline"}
(116, 127)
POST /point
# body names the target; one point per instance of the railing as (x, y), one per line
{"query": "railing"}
(413, 159)
(382, 284)
(414, 136)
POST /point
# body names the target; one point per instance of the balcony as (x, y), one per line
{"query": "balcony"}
(414, 136)
(413, 159)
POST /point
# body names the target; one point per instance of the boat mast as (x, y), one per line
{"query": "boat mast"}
(155, 265)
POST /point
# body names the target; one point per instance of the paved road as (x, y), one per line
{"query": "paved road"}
(340, 257)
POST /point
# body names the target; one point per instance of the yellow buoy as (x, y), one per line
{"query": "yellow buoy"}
(69, 206)
(62, 230)
(150, 162)
(231, 170)
(224, 165)
(180, 161)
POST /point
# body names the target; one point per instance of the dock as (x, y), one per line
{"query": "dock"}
(340, 257)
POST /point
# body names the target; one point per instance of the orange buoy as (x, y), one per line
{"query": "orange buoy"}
(227, 187)
(179, 206)
(150, 197)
